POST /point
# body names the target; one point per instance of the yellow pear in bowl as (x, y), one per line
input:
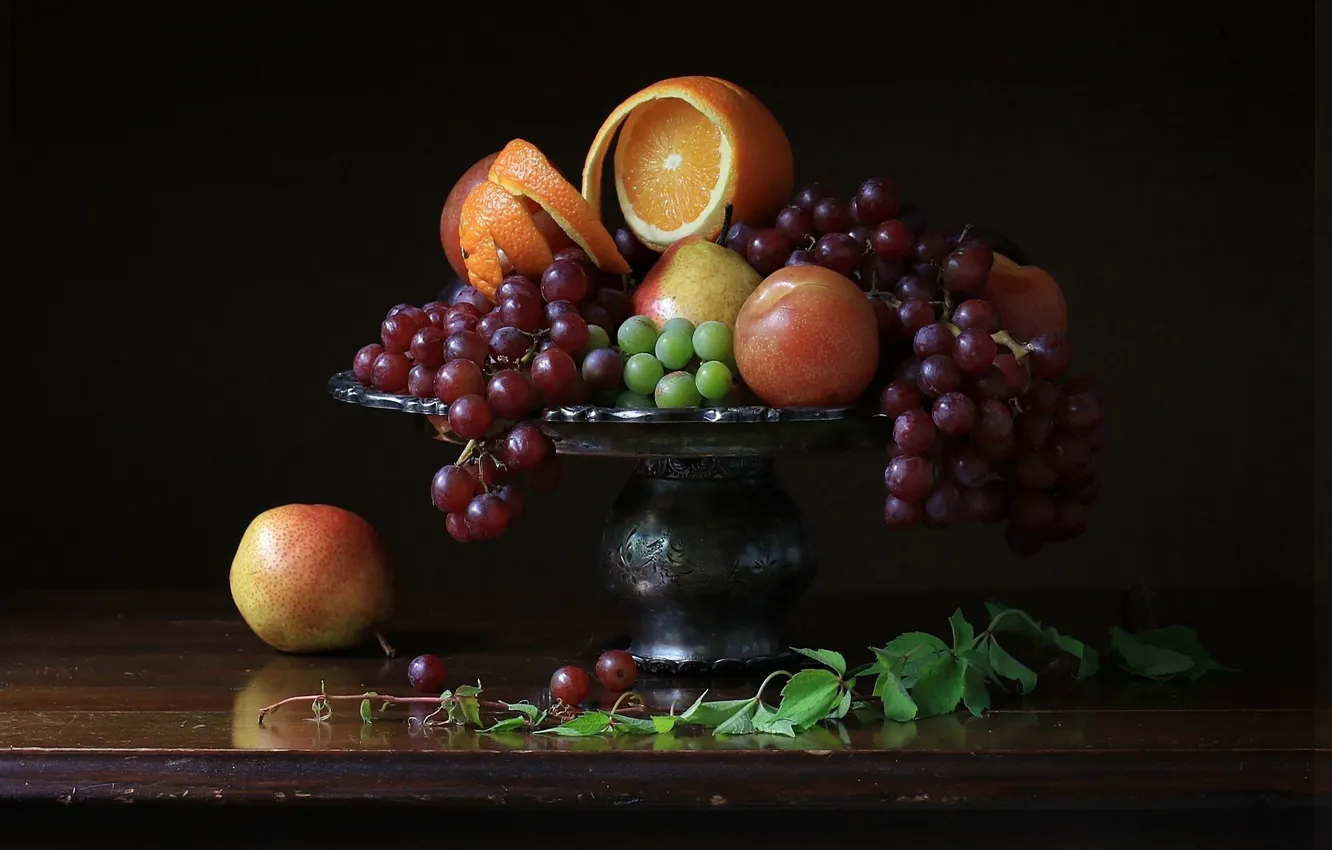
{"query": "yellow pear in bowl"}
(697, 280)
(312, 578)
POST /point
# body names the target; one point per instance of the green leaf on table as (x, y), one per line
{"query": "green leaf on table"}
(1184, 640)
(584, 725)
(1089, 660)
(975, 696)
(767, 721)
(918, 649)
(826, 657)
(808, 696)
(633, 725)
(508, 724)
(740, 722)
(468, 690)
(528, 710)
(1141, 655)
(367, 712)
(469, 711)
(1013, 621)
(843, 708)
(963, 632)
(1007, 667)
(938, 688)
(1018, 622)
(979, 659)
(664, 723)
(897, 703)
(713, 714)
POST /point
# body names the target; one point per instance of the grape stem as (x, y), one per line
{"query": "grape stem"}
(467, 452)
(1020, 349)
(384, 645)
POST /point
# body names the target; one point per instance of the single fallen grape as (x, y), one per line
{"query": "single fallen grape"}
(637, 335)
(596, 338)
(616, 670)
(675, 348)
(713, 380)
(570, 685)
(677, 390)
(712, 341)
(642, 372)
(426, 674)
(634, 401)
(678, 325)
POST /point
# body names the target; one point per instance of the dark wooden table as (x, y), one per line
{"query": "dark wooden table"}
(146, 703)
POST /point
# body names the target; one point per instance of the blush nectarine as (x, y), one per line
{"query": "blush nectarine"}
(807, 337)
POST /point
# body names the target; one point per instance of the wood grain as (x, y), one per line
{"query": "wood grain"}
(155, 700)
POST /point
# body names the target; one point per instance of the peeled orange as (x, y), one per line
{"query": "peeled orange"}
(526, 173)
(521, 214)
(688, 148)
(492, 221)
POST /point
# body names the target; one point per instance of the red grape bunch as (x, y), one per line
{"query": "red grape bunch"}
(541, 343)
(986, 427)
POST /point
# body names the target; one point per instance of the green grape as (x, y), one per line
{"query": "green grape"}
(674, 349)
(596, 338)
(641, 373)
(678, 325)
(677, 390)
(713, 380)
(712, 341)
(636, 401)
(637, 335)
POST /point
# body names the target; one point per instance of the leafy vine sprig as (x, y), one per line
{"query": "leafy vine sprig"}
(914, 676)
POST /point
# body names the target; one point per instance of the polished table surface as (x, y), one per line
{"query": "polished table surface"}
(152, 698)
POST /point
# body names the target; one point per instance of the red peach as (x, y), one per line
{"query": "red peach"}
(807, 337)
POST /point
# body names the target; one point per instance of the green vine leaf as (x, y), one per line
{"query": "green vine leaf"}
(508, 724)
(1173, 652)
(1007, 667)
(938, 688)
(767, 721)
(964, 634)
(740, 722)
(826, 657)
(712, 714)
(469, 690)
(585, 725)
(623, 725)
(664, 723)
(897, 703)
(528, 710)
(367, 712)
(975, 696)
(808, 696)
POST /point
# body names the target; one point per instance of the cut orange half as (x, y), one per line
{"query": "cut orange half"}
(494, 221)
(690, 146)
(526, 173)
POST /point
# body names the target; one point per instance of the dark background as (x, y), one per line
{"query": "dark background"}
(215, 205)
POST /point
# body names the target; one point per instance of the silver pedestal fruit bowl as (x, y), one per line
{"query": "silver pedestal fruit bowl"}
(703, 545)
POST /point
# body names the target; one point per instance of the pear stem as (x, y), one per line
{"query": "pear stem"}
(384, 645)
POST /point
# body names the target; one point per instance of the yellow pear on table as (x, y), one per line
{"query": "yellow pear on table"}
(697, 280)
(312, 578)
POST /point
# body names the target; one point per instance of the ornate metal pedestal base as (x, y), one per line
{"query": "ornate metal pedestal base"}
(708, 553)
